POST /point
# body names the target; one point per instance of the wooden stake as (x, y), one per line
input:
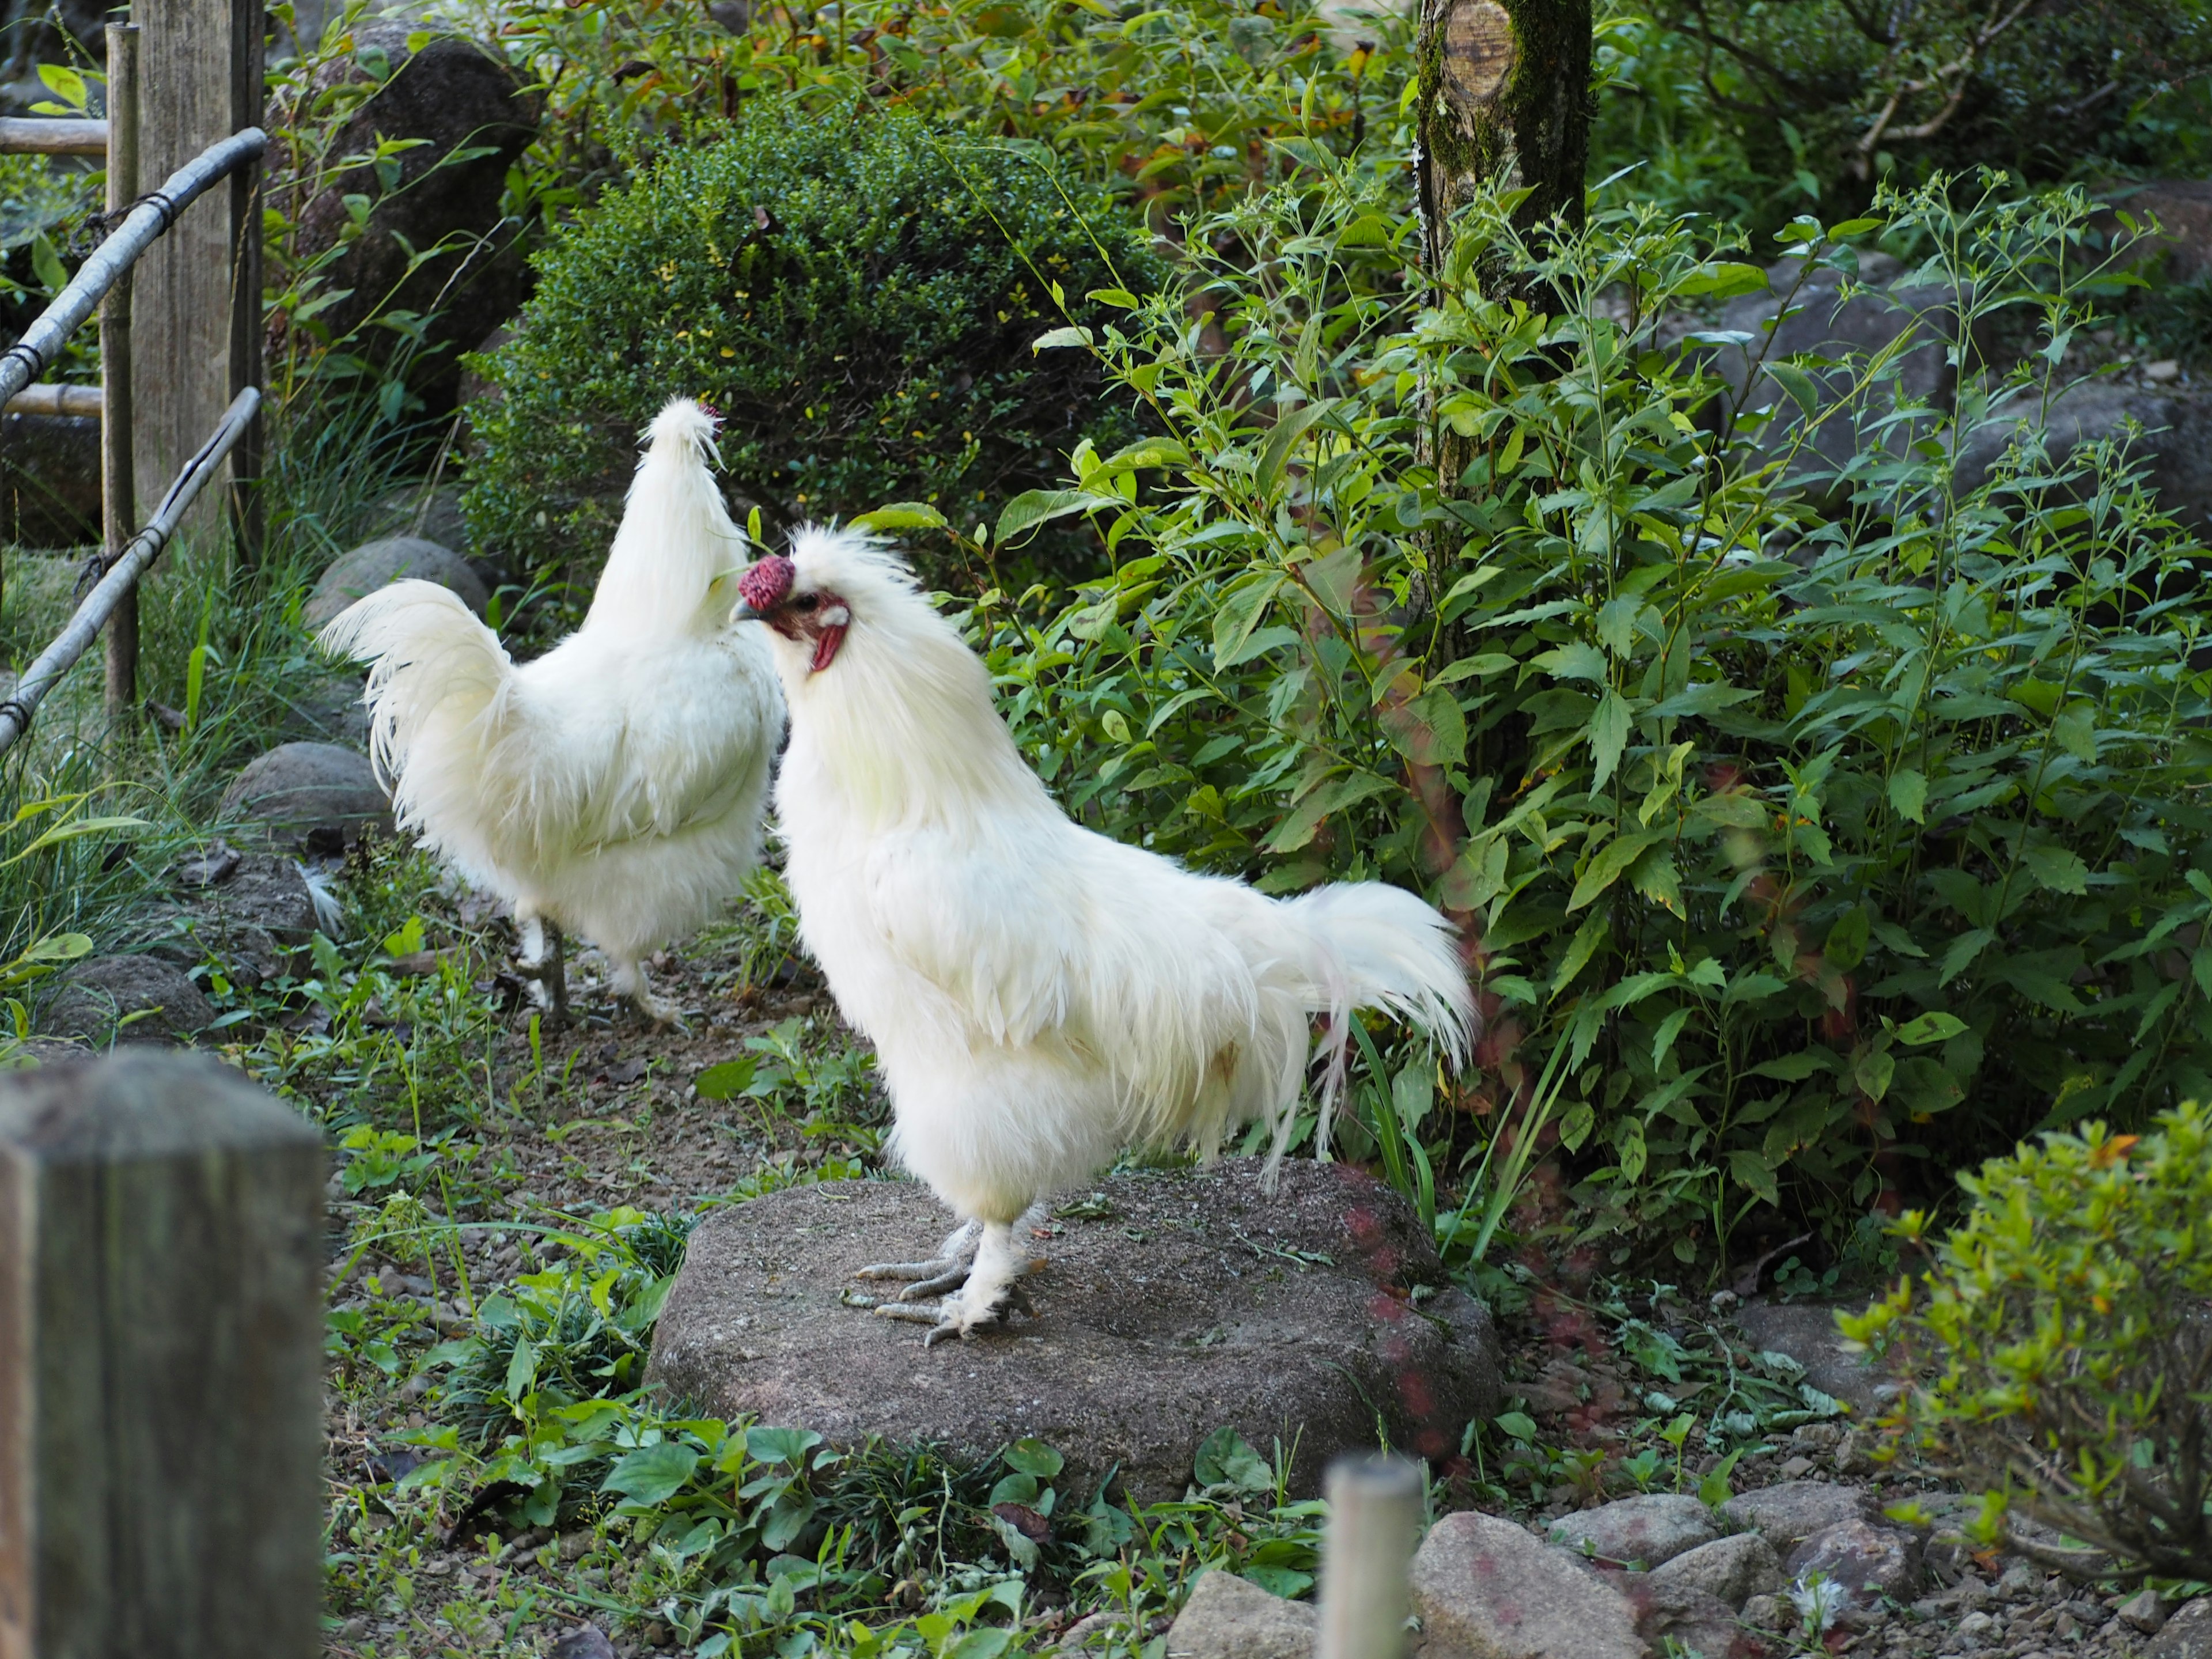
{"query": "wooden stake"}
(118, 495)
(1373, 1512)
(160, 1365)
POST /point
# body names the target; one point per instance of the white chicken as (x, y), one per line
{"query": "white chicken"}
(615, 786)
(1039, 996)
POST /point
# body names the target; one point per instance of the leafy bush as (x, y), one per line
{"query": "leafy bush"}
(2065, 1324)
(1778, 861)
(858, 300)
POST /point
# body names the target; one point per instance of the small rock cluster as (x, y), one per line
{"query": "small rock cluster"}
(1661, 1573)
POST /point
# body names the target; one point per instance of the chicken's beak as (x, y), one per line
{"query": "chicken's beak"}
(744, 613)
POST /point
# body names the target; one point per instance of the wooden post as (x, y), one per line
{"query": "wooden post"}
(160, 1365)
(1374, 1514)
(197, 304)
(119, 497)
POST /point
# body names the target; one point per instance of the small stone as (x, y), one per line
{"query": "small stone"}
(583, 1641)
(1975, 1630)
(1231, 1618)
(1647, 1529)
(1796, 1468)
(2019, 1580)
(2144, 1611)
(1811, 1437)
(381, 562)
(1869, 1562)
(1485, 1590)
(317, 790)
(1735, 1569)
(2187, 1634)
(1675, 1618)
(1766, 1612)
(99, 998)
(2165, 370)
(1793, 1511)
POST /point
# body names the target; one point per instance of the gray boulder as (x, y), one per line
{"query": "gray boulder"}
(1731, 1570)
(318, 792)
(451, 95)
(1643, 1531)
(1914, 325)
(380, 563)
(99, 995)
(2186, 1635)
(1788, 1514)
(1171, 1306)
(1230, 1618)
(2183, 208)
(1870, 1562)
(1807, 1333)
(2175, 440)
(1485, 1590)
(256, 917)
(1676, 1619)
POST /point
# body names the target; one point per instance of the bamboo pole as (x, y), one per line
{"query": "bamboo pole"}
(83, 403)
(77, 636)
(1373, 1512)
(39, 136)
(118, 494)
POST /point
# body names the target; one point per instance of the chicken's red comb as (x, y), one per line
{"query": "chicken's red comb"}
(768, 584)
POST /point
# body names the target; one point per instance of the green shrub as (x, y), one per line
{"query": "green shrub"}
(858, 299)
(1799, 879)
(2065, 1327)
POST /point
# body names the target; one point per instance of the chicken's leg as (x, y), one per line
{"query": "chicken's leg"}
(541, 962)
(630, 981)
(976, 1276)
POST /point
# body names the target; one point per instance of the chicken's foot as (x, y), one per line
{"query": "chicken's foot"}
(976, 1276)
(946, 1271)
(629, 980)
(543, 964)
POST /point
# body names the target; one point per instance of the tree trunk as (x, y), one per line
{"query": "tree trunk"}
(1504, 96)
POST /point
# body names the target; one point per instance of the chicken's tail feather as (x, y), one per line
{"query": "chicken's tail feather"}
(436, 678)
(1377, 946)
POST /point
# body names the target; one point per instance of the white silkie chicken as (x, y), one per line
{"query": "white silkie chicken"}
(1039, 996)
(615, 786)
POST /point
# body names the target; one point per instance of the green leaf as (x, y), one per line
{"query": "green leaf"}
(1908, 795)
(1872, 1071)
(779, 1445)
(2058, 870)
(1307, 817)
(1714, 1490)
(1073, 335)
(1033, 1457)
(1225, 1459)
(1724, 280)
(902, 515)
(727, 1080)
(1612, 860)
(1289, 429)
(1239, 614)
(73, 829)
(59, 947)
(1932, 1027)
(1961, 954)
(1753, 1175)
(521, 1370)
(1847, 946)
(1516, 1425)
(2076, 732)
(1035, 507)
(1801, 386)
(1923, 1087)
(1120, 298)
(1430, 730)
(1579, 661)
(46, 262)
(1608, 735)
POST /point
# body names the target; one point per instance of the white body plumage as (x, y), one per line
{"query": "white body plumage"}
(1039, 995)
(616, 785)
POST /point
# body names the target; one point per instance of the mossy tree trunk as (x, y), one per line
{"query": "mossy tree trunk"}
(1504, 96)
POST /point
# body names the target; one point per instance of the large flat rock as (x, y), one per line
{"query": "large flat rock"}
(1171, 1304)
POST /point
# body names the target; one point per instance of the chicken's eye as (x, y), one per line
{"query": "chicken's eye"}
(807, 602)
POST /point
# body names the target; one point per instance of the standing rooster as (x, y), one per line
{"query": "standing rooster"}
(614, 785)
(1039, 996)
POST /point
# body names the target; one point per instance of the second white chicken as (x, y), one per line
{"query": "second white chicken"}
(614, 787)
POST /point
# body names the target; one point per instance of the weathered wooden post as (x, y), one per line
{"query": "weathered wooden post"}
(161, 1389)
(1374, 1516)
(197, 307)
(119, 497)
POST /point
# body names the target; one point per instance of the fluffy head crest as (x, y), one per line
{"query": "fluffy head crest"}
(768, 584)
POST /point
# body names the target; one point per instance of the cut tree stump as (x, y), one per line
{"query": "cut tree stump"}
(1171, 1304)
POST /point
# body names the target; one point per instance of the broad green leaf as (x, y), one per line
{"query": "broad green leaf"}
(1033, 1457)
(1931, 1027)
(1872, 1072)
(1961, 954)
(1612, 860)
(1908, 793)
(1923, 1087)
(1724, 280)
(902, 515)
(779, 1445)
(2076, 732)
(1753, 1175)
(75, 827)
(1225, 1459)
(1846, 945)
(1430, 730)
(1579, 661)
(726, 1081)
(1608, 735)
(1074, 334)
(1035, 507)
(1289, 429)
(2058, 870)
(1309, 815)
(1239, 614)
(1804, 390)
(59, 947)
